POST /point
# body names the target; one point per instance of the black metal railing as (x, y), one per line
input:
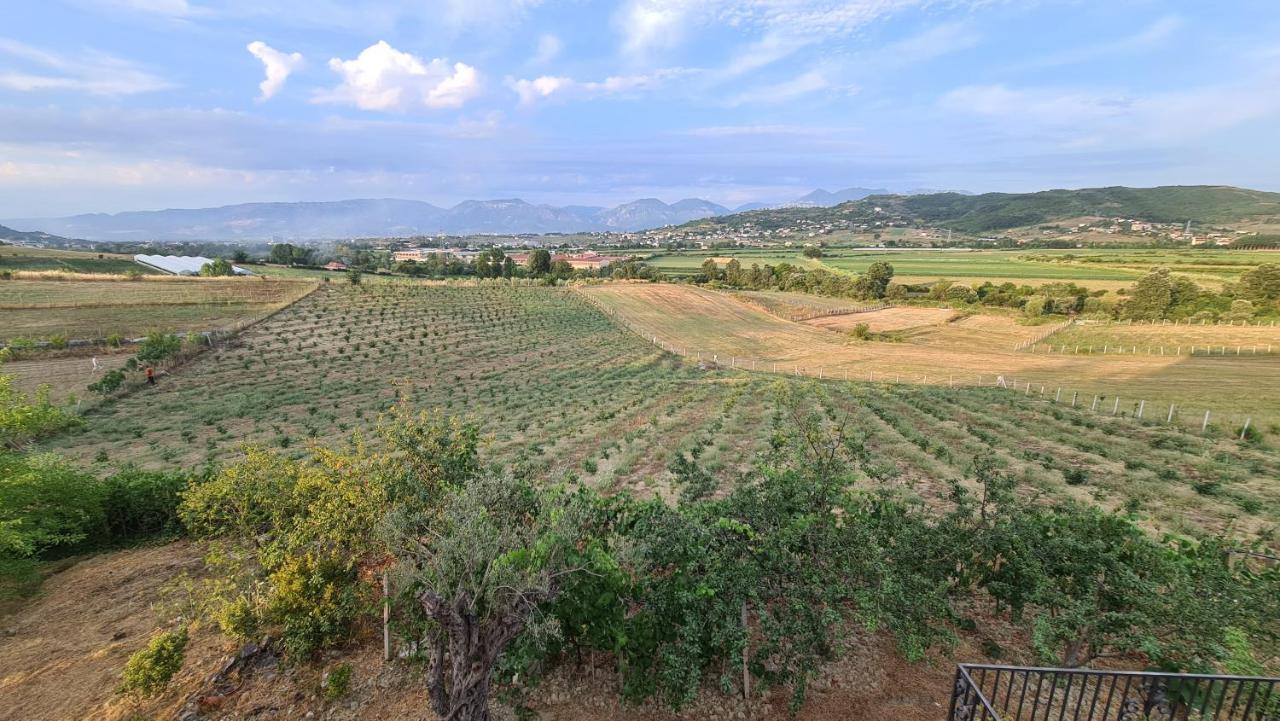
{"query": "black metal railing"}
(1012, 693)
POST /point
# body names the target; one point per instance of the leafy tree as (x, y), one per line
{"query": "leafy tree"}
(289, 254)
(875, 281)
(508, 267)
(240, 255)
(217, 267)
(495, 552)
(710, 271)
(1262, 284)
(354, 277)
(1151, 297)
(539, 262)
(813, 251)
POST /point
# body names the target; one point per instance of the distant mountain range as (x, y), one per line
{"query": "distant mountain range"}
(401, 218)
(368, 218)
(396, 218)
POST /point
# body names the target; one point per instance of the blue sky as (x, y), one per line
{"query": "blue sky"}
(109, 105)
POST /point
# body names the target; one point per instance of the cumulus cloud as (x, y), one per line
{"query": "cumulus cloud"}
(277, 65)
(531, 91)
(383, 78)
(92, 72)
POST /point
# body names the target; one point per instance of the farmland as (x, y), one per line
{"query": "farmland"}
(569, 394)
(1099, 269)
(17, 258)
(563, 392)
(100, 307)
(703, 324)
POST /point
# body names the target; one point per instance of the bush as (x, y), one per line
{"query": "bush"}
(159, 346)
(45, 503)
(137, 504)
(337, 683)
(315, 601)
(109, 383)
(148, 671)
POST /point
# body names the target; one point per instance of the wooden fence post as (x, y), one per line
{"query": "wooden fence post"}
(1245, 430)
(1204, 425)
(386, 617)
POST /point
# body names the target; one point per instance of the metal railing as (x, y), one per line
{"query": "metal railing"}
(1012, 693)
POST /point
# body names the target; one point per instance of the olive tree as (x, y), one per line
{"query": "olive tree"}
(480, 567)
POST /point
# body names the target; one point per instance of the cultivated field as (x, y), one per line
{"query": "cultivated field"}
(704, 325)
(16, 259)
(96, 308)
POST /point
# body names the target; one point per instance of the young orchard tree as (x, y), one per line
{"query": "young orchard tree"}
(481, 566)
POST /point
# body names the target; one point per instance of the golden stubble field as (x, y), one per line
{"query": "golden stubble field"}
(707, 325)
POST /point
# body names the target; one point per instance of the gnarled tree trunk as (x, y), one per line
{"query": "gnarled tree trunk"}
(467, 649)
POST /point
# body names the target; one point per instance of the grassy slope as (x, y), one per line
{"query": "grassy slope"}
(14, 258)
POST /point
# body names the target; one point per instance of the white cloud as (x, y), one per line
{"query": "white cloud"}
(93, 72)
(649, 25)
(549, 47)
(278, 67)
(531, 91)
(383, 78)
(788, 90)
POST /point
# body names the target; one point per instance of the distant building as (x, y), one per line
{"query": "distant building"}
(180, 264)
(335, 265)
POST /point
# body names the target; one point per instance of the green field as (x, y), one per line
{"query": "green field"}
(1098, 268)
(564, 392)
(14, 259)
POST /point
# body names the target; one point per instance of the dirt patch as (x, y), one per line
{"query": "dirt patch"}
(887, 319)
(62, 653)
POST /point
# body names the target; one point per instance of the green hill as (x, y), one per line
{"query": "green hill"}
(990, 212)
(20, 236)
(1167, 204)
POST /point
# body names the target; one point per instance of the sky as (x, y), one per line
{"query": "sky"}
(112, 105)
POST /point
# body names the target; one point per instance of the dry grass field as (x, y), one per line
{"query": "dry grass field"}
(94, 307)
(900, 318)
(703, 324)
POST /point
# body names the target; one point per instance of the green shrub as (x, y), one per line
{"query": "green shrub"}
(314, 601)
(148, 671)
(337, 683)
(109, 383)
(137, 503)
(45, 503)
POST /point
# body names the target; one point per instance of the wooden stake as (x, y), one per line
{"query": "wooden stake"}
(386, 617)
